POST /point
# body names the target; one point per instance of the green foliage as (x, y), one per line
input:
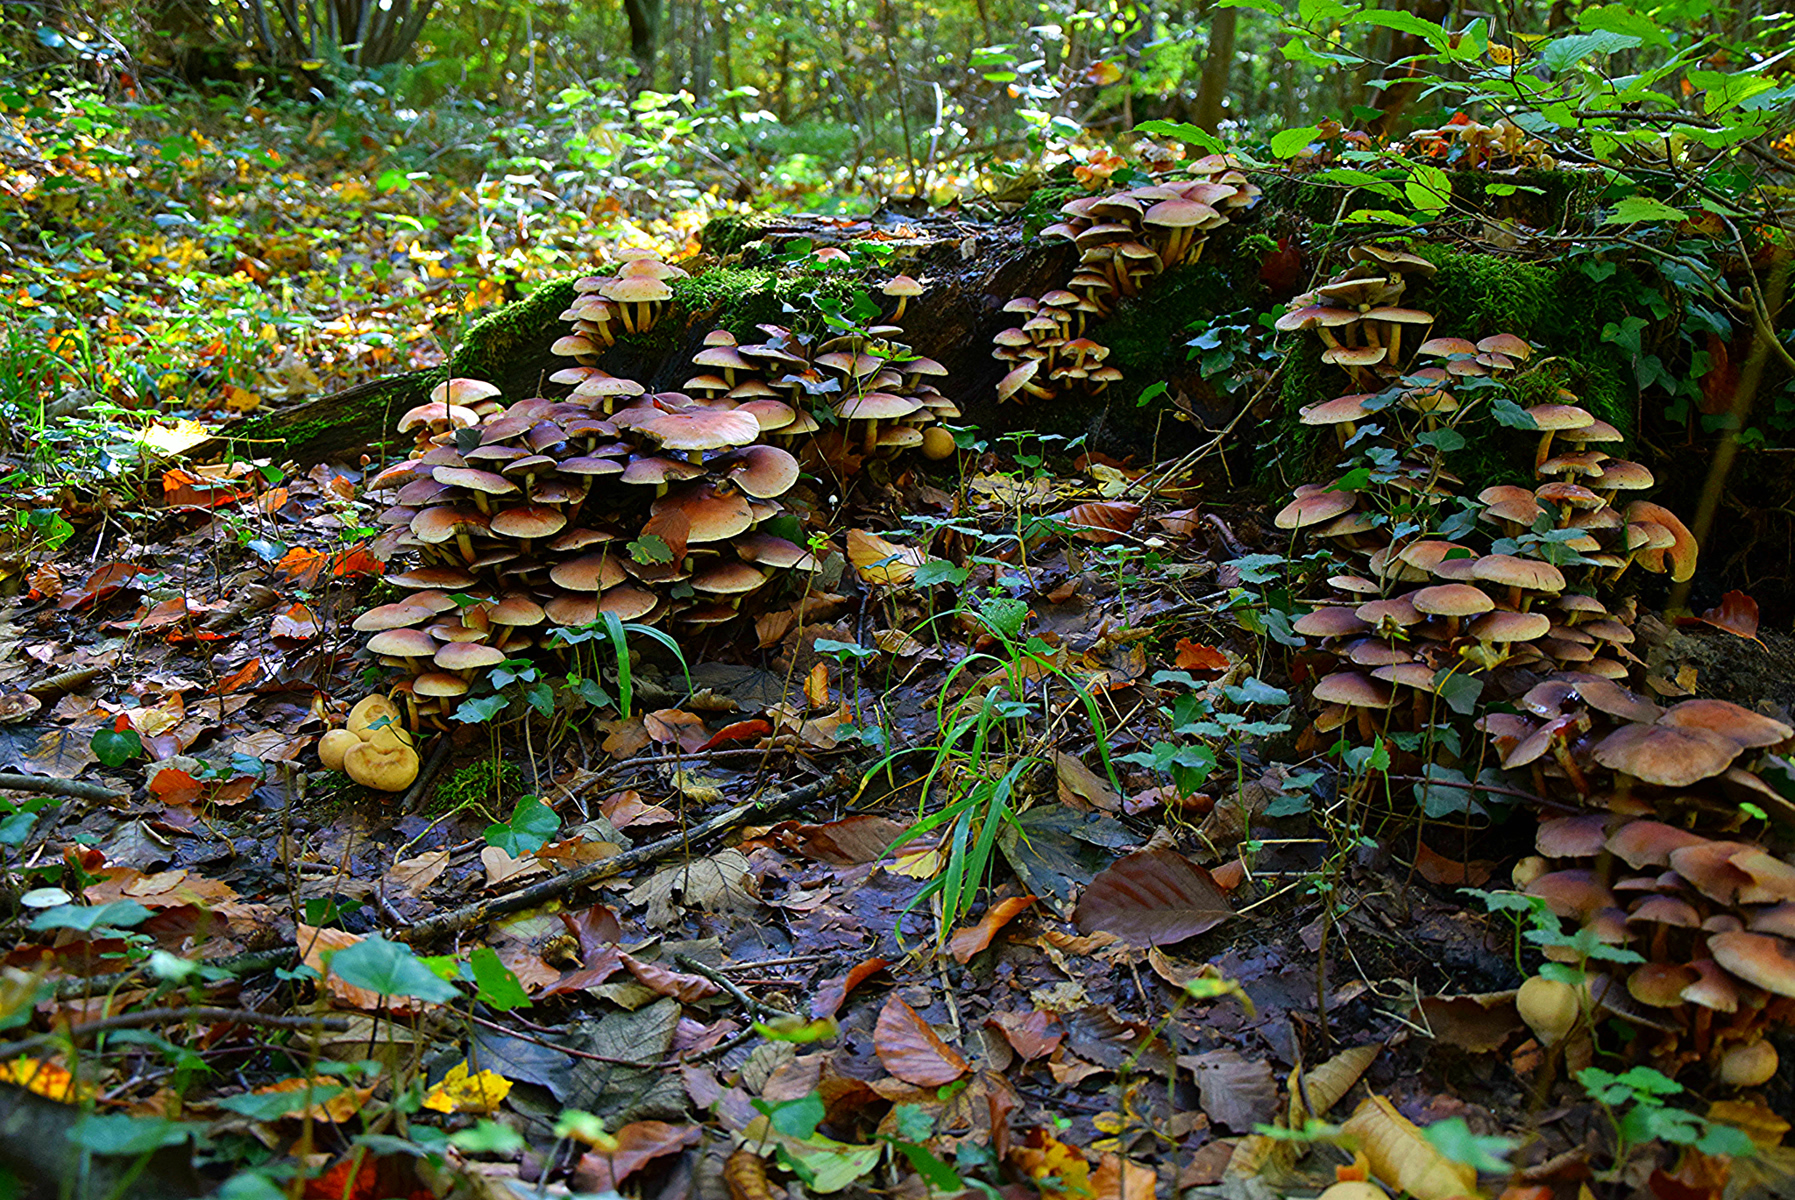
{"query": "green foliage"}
(1637, 1101)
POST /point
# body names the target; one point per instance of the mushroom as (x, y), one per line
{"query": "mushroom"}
(384, 768)
(903, 287)
(334, 745)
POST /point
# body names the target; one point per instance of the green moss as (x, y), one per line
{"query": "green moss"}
(1542, 199)
(489, 782)
(494, 343)
(1144, 333)
(728, 234)
(739, 298)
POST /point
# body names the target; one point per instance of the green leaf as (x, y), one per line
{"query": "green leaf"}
(1183, 131)
(1376, 216)
(391, 969)
(116, 747)
(1288, 143)
(650, 548)
(939, 1175)
(85, 918)
(1454, 1139)
(488, 1137)
(1428, 189)
(1357, 178)
(476, 710)
(272, 1106)
(794, 1118)
(531, 826)
(1403, 22)
(1724, 90)
(498, 986)
(1270, 8)
(1623, 19)
(1563, 53)
(116, 1133)
(1458, 690)
(939, 570)
(1634, 209)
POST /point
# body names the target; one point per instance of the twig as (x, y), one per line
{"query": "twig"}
(433, 766)
(474, 914)
(242, 964)
(173, 1016)
(49, 785)
(743, 998)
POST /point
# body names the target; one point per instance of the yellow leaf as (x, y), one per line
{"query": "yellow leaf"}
(882, 561)
(917, 862)
(1402, 1156)
(45, 1078)
(1324, 1086)
(461, 1092)
(1502, 56)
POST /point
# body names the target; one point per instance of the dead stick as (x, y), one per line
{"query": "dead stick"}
(728, 985)
(475, 914)
(238, 965)
(174, 1016)
(49, 785)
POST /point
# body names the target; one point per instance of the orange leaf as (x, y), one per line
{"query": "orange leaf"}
(686, 988)
(1736, 613)
(911, 1050)
(172, 785)
(1195, 656)
(301, 567)
(1152, 898)
(833, 992)
(1101, 521)
(243, 676)
(969, 941)
(297, 624)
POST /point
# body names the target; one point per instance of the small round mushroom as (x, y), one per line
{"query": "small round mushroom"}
(385, 769)
(334, 745)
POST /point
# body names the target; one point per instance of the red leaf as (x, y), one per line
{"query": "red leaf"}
(1152, 898)
(862, 838)
(595, 928)
(969, 941)
(740, 731)
(830, 996)
(1028, 1032)
(1195, 656)
(688, 989)
(1101, 520)
(1737, 614)
(243, 676)
(172, 785)
(911, 1050)
(637, 1144)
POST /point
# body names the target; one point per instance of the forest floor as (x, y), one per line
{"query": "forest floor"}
(864, 995)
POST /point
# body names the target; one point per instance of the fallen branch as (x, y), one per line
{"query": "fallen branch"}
(172, 1016)
(729, 985)
(49, 785)
(482, 911)
(238, 966)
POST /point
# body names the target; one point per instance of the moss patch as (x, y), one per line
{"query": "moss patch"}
(489, 782)
(728, 234)
(495, 343)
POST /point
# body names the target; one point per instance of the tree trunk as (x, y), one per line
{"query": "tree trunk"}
(1217, 67)
(644, 31)
(1397, 98)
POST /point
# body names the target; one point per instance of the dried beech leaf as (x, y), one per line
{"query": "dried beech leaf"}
(881, 561)
(1152, 898)
(1314, 1093)
(1403, 1158)
(911, 1050)
(687, 988)
(638, 1143)
(1101, 521)
(1737, 614)
(1237, 1093)
(830, 996)
(969, 941)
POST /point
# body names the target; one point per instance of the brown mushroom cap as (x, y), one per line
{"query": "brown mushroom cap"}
(1758, 958)
(1529, 574)
(433, 578)
(1354, 689)
(439, 684)
(628, 602)
(1314, 507)
(772, 551)
(1505, 626)
(462, 391)
(702, 429)
(403, 643)
(1452, 600)
(528, 521)
(468, 656)
(729, 578)
(1741, 725)
(588, 573)
(713, 513)
(393, 616)
(762, 471)
(1666, 755)
(383, 768)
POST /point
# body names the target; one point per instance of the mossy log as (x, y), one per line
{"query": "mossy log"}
(973, 267)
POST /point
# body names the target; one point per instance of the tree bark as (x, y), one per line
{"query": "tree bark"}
(1218, 65)
(644, 31)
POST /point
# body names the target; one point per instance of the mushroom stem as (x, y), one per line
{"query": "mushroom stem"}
(872, 437)
(1545, 450)
(899, 314)
(467, 545)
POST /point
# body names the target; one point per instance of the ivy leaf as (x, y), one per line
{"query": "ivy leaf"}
(1634, 209)
(650, 548)
(1183, 131)
(1288, 143)
(116, 747)
(531, 826)
(391, 969)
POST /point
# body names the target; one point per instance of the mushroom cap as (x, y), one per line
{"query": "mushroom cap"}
(1679, 559)
(392, 616)
(1180, 214)
(432, 578)
(437, 415)
(383, 768)
(876, 406)
(729, 578)
(528, 521)
(763, 471)
(653, 469)
(474, 480)
(1013, 382)
(1530, 574)
(1452, 600)
(1338, 411)
(702, 429)
(712, 513)
(1666, 755)
(636, 289)
(901, 285)
(1314, 507)
(334, 745)
(1747, 728)
(1506, 344)
(516, 610)
(1761, 959)
(439, 684)
(598, 386)
(572, 609)
(1555, 417)
(466, 656)
(773, 551)
(628, 602)
(403, 643)
(1505, 626)
(1330, 621)
(1354, 689)
(444, 521)
(1604, 695)
(588, 573)
(462, 391)
(1398, 610)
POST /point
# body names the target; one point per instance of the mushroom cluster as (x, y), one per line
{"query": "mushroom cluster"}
(1711, 919)
(629, 301)
(1359, 314)
(552, 512)
(1125, 239)
(372, 747)
(1468, 145)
